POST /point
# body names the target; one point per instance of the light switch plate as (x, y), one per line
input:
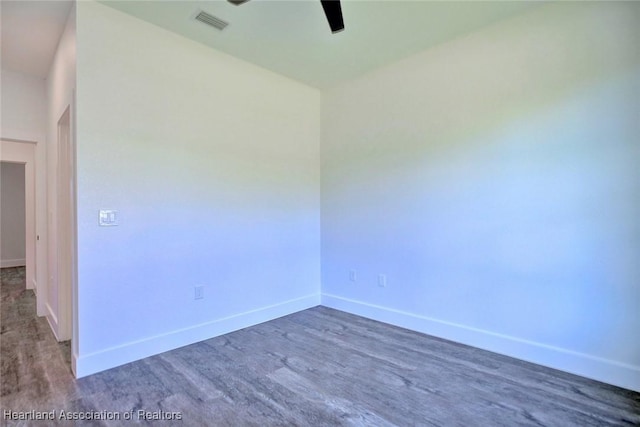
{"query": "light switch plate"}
(108, 218)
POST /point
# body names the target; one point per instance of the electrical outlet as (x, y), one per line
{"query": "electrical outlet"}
(382, 280)
(352, 275)
(198, 292)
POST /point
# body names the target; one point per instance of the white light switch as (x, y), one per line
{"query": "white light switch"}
(108, 218)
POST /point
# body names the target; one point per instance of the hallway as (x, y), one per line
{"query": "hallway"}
(32, 359)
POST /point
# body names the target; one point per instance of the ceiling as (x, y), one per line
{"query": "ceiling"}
(289, 37)
(30, 34)
(293, 38)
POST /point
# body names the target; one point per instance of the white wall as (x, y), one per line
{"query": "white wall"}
(60, 86)
(213, 166)
(495, 181)
(23, 117)
(23, 104)
(12, 215)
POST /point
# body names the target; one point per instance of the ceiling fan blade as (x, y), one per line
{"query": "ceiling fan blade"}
(237, 2)
(333, 11)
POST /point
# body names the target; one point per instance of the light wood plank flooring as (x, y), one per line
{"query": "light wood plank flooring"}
(319, 367)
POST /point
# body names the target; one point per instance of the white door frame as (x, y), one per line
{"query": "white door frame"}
(65, 225)
(24, 152)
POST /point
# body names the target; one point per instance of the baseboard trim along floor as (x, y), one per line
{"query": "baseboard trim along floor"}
(599, 369)
(112, 357)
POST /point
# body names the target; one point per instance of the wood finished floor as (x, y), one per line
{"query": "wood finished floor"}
(319, 367)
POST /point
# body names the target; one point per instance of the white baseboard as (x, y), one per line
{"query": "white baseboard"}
(74, 362)
(52, 319)
(607, 371)
(130, 352)
(5, 263)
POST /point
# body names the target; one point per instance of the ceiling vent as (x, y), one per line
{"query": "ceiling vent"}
(212, 21)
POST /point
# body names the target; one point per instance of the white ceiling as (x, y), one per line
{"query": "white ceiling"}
(293, 38)
(289, 37)
(30, 34)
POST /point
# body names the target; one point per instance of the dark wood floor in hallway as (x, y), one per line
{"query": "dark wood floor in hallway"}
(319, 367)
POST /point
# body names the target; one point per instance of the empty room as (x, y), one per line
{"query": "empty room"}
(318, 213)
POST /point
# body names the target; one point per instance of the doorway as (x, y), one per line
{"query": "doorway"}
(12, 215)
(21, 155)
